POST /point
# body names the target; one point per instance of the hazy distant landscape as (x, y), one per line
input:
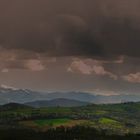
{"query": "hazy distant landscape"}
(25, 96)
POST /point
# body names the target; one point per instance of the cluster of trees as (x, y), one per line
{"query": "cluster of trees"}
(62, 133)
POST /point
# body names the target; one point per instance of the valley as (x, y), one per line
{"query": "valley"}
(114, 118)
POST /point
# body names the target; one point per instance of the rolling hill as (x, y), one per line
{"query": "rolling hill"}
(57, 102)
(13, 106)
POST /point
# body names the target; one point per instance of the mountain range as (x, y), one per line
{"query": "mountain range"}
(61, 102)
(10, 95)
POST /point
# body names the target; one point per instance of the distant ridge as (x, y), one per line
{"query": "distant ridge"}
(13, 106)
(57, 102)
(21, 96)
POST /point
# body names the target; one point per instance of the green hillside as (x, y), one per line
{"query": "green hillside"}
(115, 119)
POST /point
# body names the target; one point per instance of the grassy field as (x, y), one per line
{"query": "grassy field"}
(45, 124)
(51, 122)
(107, 121)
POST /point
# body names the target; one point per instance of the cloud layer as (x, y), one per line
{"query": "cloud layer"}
(82, 28)
(64, 41)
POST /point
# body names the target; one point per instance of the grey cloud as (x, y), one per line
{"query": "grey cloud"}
(71, 28)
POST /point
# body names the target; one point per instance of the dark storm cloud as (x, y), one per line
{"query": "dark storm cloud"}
(121, 37)
(71, 28)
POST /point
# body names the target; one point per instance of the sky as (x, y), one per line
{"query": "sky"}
(71, 45)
